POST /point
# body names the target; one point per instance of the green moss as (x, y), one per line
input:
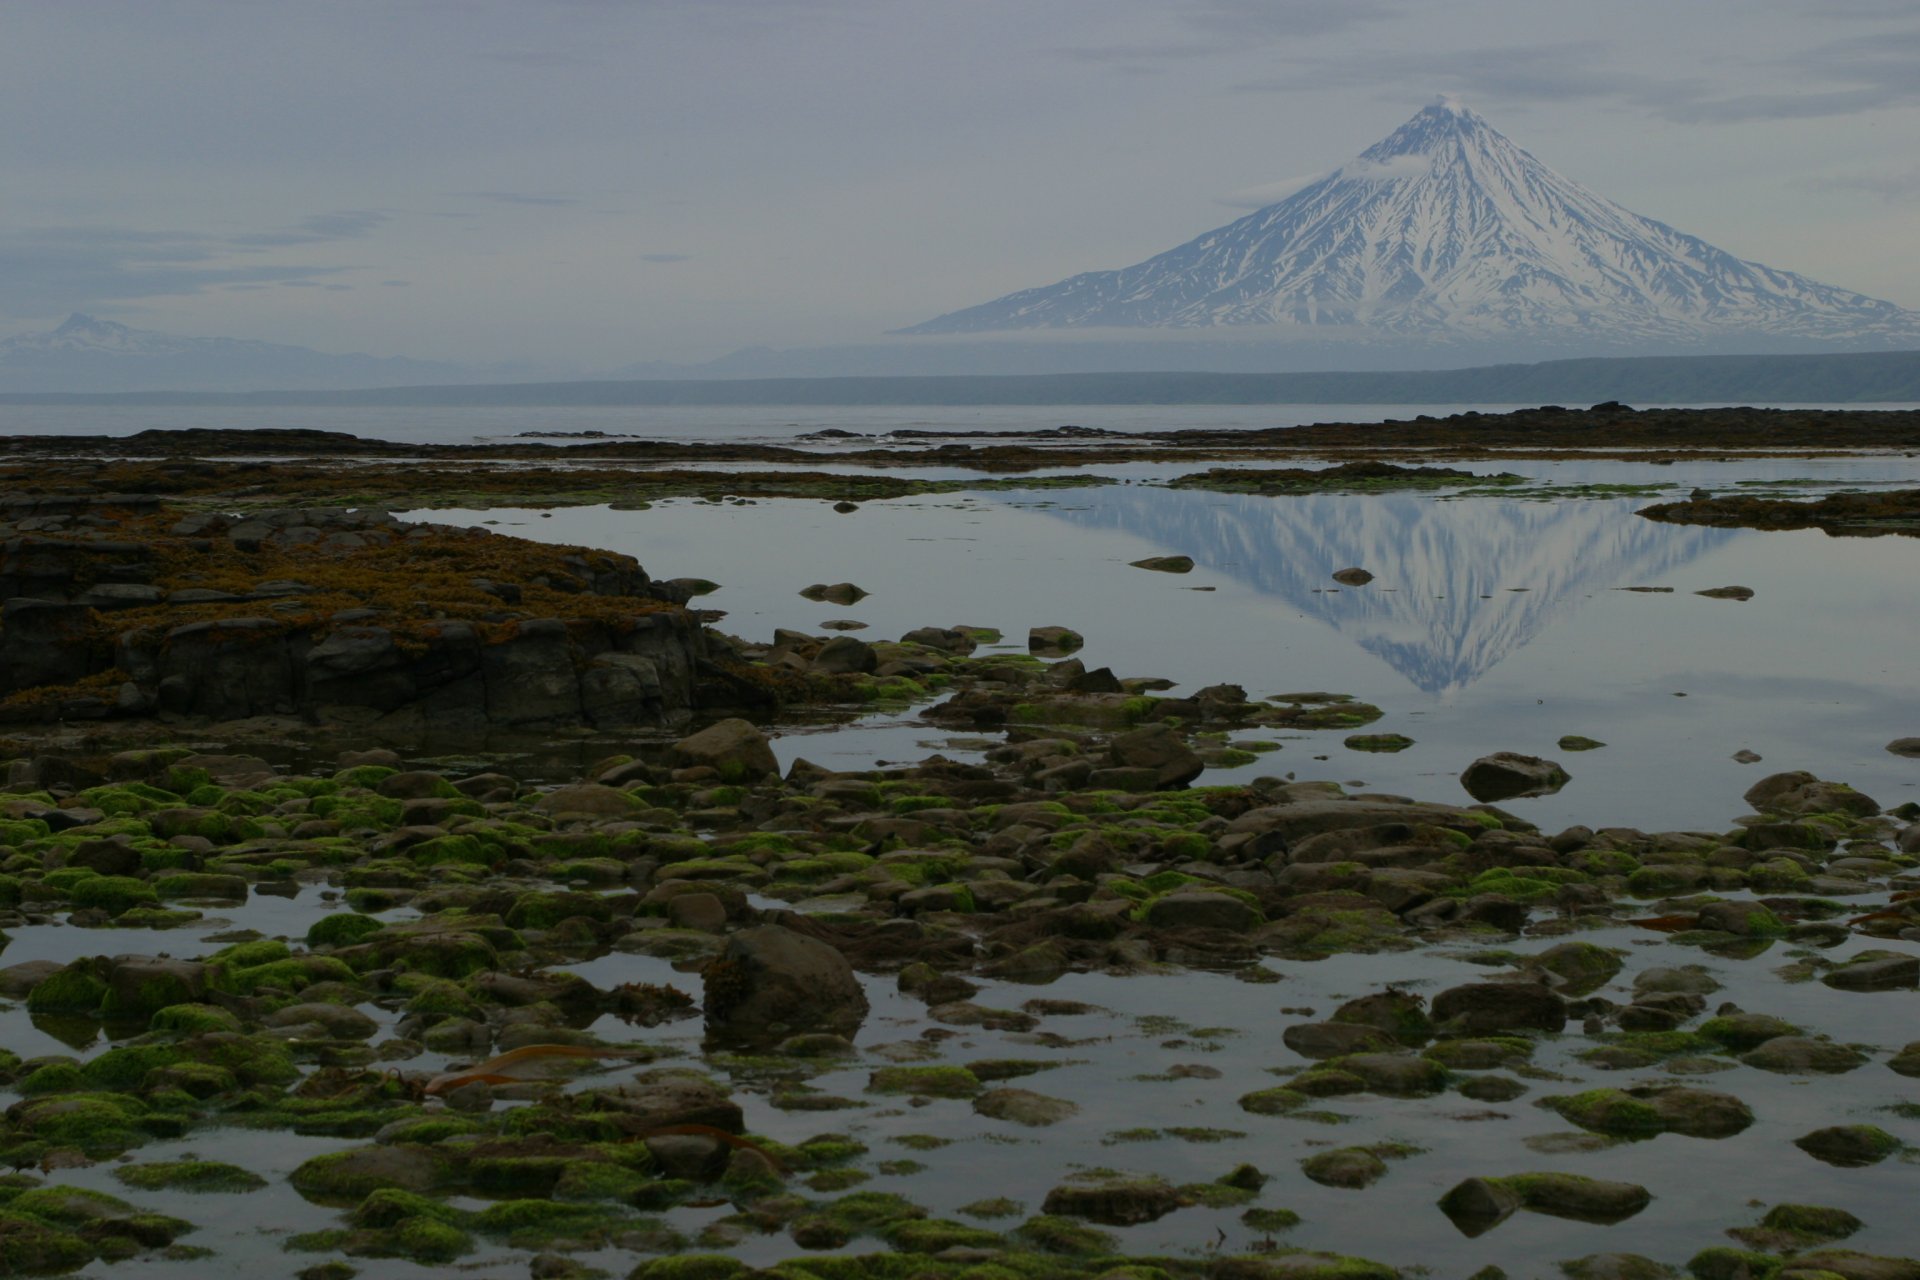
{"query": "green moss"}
(192, 1019)
(1607, 1111)
(112, 894)
(690, 1266)
(293, 975)
(931, 1082)
(1724, 1263)
(31, 1248)
(75, 989)
(343, 928)
(428, 1240)
(1064, 1235)
(122, 1070)
(1273, 1102)
(189, 1175)
(1270, 1220)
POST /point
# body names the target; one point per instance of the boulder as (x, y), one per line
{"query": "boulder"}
(1054, 640)
(1803, 1055)
(735, 749)
(1203, 909)
(1508, 775)
(1482, 1008)
(1119, 1202)
(1799, 792)
(587, 800)
(844, 655)
(1355, 577)
(1023, 1106)
(1160, 749)
(1165, 564)
(770, 983)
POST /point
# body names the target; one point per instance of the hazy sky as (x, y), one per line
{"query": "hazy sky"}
(601, 181)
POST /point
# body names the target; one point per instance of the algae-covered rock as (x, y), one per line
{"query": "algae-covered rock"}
(770, 983)
(189, 1175)
(1023, 1106)
(1113, 1201)
(1803, 1055)
(1849, 1146)
(1351, 1167)
(343, 1176)
(734, 749)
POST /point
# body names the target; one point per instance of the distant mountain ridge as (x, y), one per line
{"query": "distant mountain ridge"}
(1866, 378)
(1445, 230)
(105, 356)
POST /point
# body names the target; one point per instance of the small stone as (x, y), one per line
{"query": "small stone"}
(1727, 593)
(1354, 577)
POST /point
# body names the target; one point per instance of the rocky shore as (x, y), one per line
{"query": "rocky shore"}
(695, 1014)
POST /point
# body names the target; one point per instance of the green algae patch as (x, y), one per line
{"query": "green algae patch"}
(341, 929)
(1608, 1111)
(929, 1082)
(189, 1175)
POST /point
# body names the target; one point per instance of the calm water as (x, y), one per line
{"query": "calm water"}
(1491, 624)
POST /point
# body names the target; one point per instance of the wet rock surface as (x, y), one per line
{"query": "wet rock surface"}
(1048, 1008)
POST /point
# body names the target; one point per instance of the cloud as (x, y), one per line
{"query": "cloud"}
(1233, 26)
(48, 271)
(1387, 170)
(1259, 197)
(1866, 73)
(1271, 20)
(1537, 73)
(342, 224)
(520, 197)
(1888, 186)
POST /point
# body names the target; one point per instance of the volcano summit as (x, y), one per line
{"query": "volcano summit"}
(1445, 230)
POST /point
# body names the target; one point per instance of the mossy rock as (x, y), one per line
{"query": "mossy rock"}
(192, 1019)
(341, 929)
(189, 1175)
(1609, 1111)
(930, 1082)
(78, 988)
(32, 1248)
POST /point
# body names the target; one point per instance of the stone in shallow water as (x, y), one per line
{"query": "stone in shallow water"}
(1508, 775)
(1876, 971)
(1023, 1106)
(1117, 1202)
(1849, 1146)
(1803, 1055)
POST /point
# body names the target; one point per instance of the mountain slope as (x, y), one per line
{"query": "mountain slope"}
(85, 354)
(1446, 228)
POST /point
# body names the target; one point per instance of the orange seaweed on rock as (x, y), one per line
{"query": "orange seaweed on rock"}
(500, 1069)
(1666, 924)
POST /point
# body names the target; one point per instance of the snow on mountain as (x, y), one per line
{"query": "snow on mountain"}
(88, 355)
(1446, 228)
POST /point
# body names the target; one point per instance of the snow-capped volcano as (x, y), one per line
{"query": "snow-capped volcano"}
(1443, 229)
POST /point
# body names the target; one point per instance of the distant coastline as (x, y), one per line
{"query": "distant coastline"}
(1887, 377)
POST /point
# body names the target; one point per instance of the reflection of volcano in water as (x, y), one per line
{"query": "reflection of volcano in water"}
(1432, 562)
